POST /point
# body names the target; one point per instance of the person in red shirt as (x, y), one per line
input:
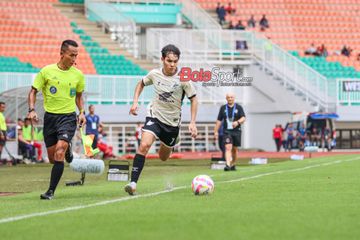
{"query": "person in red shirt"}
(277, 136)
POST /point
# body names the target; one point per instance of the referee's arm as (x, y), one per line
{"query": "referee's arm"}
(31, 102)
(80, 105)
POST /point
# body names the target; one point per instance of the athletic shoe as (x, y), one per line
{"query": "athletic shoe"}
(68, 154)
(47, 196)
(130, 188)
(227, 168)
(233, 168)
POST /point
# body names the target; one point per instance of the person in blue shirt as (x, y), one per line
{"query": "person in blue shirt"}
(92, 125)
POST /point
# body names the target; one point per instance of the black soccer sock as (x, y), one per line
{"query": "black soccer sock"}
(138, 164)
(56, 173)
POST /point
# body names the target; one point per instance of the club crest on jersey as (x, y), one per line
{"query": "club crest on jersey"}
(53, 89)
(165, 96)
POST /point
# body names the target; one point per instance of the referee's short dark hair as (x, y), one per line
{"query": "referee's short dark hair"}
(170, 49)
(2, 103)
(65, 44)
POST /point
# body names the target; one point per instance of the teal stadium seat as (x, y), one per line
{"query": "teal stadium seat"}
(104, 62)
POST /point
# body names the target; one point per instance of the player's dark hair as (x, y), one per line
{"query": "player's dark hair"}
(65, 44)
(170, 49)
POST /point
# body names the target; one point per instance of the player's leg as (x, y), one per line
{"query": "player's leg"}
(147, 139)
(164, 152)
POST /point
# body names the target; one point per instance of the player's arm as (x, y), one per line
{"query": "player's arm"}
(138, 90)
(31, 103)
(79, 100)
(192, 125)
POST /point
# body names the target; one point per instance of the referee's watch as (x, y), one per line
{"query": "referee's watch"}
(31, 110)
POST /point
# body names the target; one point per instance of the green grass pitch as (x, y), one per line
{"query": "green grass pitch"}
(317, 198)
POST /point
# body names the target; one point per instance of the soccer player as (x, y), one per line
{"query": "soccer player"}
(3, 127)
(62, 85)
(233, 116)
(164, 111)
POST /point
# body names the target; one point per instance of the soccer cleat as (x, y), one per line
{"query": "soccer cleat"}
(233, 168)
(130, 188)
(47, 196)
(227, 168)
(68, 154)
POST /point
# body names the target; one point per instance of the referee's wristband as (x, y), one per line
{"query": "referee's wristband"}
(82, 111)
(31, 110)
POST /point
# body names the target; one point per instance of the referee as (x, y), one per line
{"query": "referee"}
(62, 86)
(3, 127)
(232, 115)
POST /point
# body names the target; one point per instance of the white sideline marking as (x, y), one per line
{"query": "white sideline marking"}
(21, 217)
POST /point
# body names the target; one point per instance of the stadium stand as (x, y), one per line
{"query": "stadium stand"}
(295, 24)
(31, 33)
(104, 62)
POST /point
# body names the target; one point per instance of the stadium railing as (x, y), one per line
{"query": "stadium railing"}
(122, 28)
(110, 89)
(218, 47)
(348, 92)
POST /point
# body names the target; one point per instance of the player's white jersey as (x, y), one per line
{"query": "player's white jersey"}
(169, 93)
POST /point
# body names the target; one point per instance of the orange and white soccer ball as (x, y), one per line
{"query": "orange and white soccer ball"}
(202, 185)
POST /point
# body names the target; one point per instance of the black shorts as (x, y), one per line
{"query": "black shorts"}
(59, 127)
(167, 134)
(3, 141)
(232, 137)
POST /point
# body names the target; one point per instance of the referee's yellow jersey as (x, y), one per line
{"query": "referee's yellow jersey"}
(2, 122)
(59, 88)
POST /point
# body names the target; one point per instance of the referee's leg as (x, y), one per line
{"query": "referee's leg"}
(56, 154)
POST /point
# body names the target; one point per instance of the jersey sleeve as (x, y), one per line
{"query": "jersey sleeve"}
(81, 84)
(148, 79)
(39, 81)
(189, 89)
(221, 114)
(241, 112)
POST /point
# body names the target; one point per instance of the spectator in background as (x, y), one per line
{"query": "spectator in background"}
(311, 50)
(3, 127)
(103, 145)
(229, 9)
(240, 26)
(231, 26)
(217, 10)
(264, 23)
(322, 51)
(346, 51)
(30, 134)
(251, 23)
(25, 147)
(92, 125)
(301, 137)
(290, 131)
(277, 136)
(221, 15)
